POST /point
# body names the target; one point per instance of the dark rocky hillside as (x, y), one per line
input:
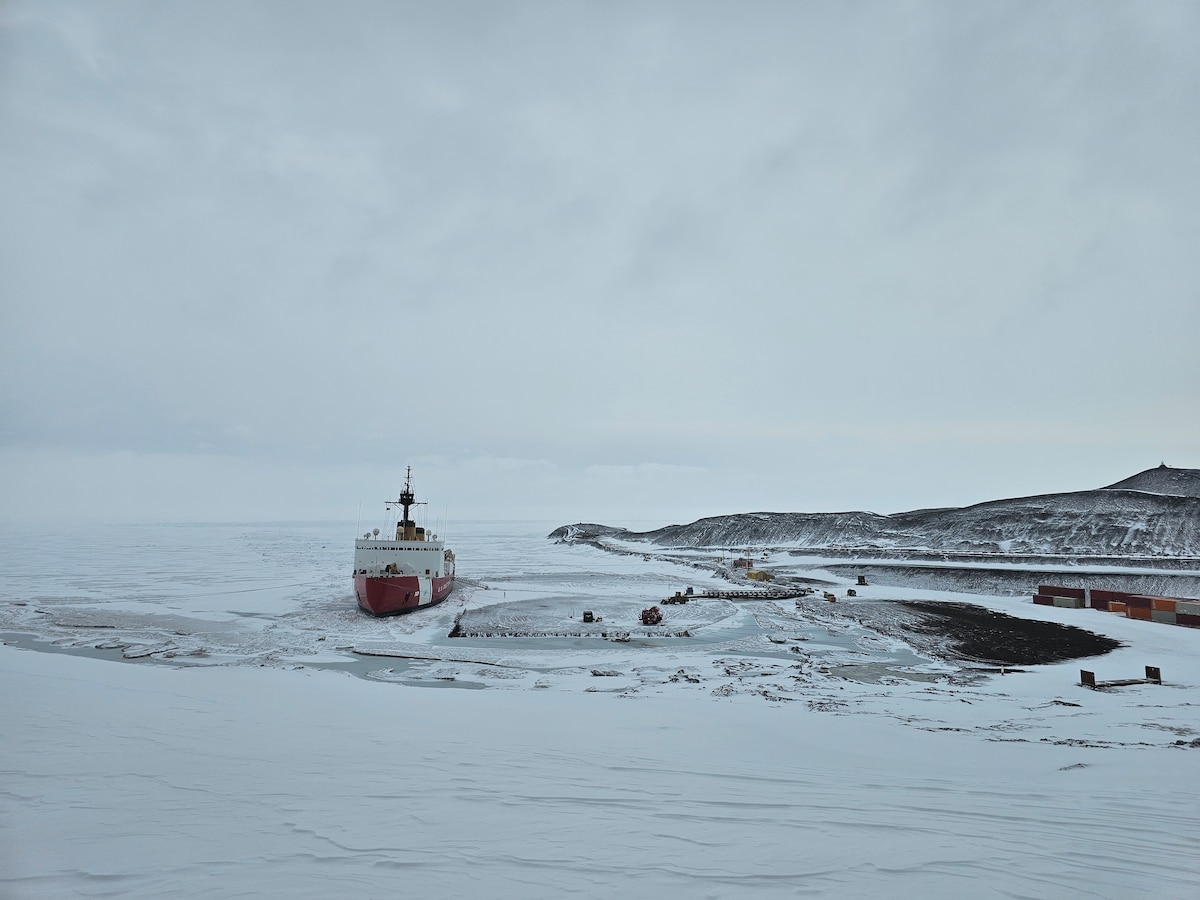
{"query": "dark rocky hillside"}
(1155, 513)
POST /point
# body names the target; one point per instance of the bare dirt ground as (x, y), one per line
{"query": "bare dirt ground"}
(974, 633)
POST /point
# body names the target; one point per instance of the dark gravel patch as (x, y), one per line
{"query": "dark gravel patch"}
(983, 635)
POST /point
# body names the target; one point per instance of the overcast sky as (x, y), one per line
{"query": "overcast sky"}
(599, 261)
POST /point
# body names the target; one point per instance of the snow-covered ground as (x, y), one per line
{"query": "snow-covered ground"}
(202, 724)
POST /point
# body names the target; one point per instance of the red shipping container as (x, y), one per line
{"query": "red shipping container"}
(1138, 612)
(1043, 600)
(1098, 594)
(1187, 619)
(1099, 604)
(1140, 601)
(1052, 591)
(1116, 606)
(1162, 604)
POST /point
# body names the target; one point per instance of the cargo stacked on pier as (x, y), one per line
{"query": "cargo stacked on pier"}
(1147, 607)
(1065, 597)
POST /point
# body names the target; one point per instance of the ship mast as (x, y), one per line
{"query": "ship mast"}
(407, 499)
(406, 496)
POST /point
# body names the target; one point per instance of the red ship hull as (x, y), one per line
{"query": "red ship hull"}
(391, 595)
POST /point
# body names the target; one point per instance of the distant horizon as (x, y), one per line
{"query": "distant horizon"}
(651, 522)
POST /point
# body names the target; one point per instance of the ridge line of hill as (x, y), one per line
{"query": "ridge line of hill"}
(1155, 513)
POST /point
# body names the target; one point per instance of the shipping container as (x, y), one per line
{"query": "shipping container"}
(1163, 604)
(1191, 607)
(1098, 594)
(1116, 606)
(1069, 602)
(1043, 600)
(1161, 615)
(1138, 612)
(1139, 601)
(1098, 604)
(1054, 591)
(1192, 621)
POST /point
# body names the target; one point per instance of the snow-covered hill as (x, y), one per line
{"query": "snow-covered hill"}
(1153, 513)
(1162, 480)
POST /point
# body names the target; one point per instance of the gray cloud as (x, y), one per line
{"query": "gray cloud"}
(620, 257)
